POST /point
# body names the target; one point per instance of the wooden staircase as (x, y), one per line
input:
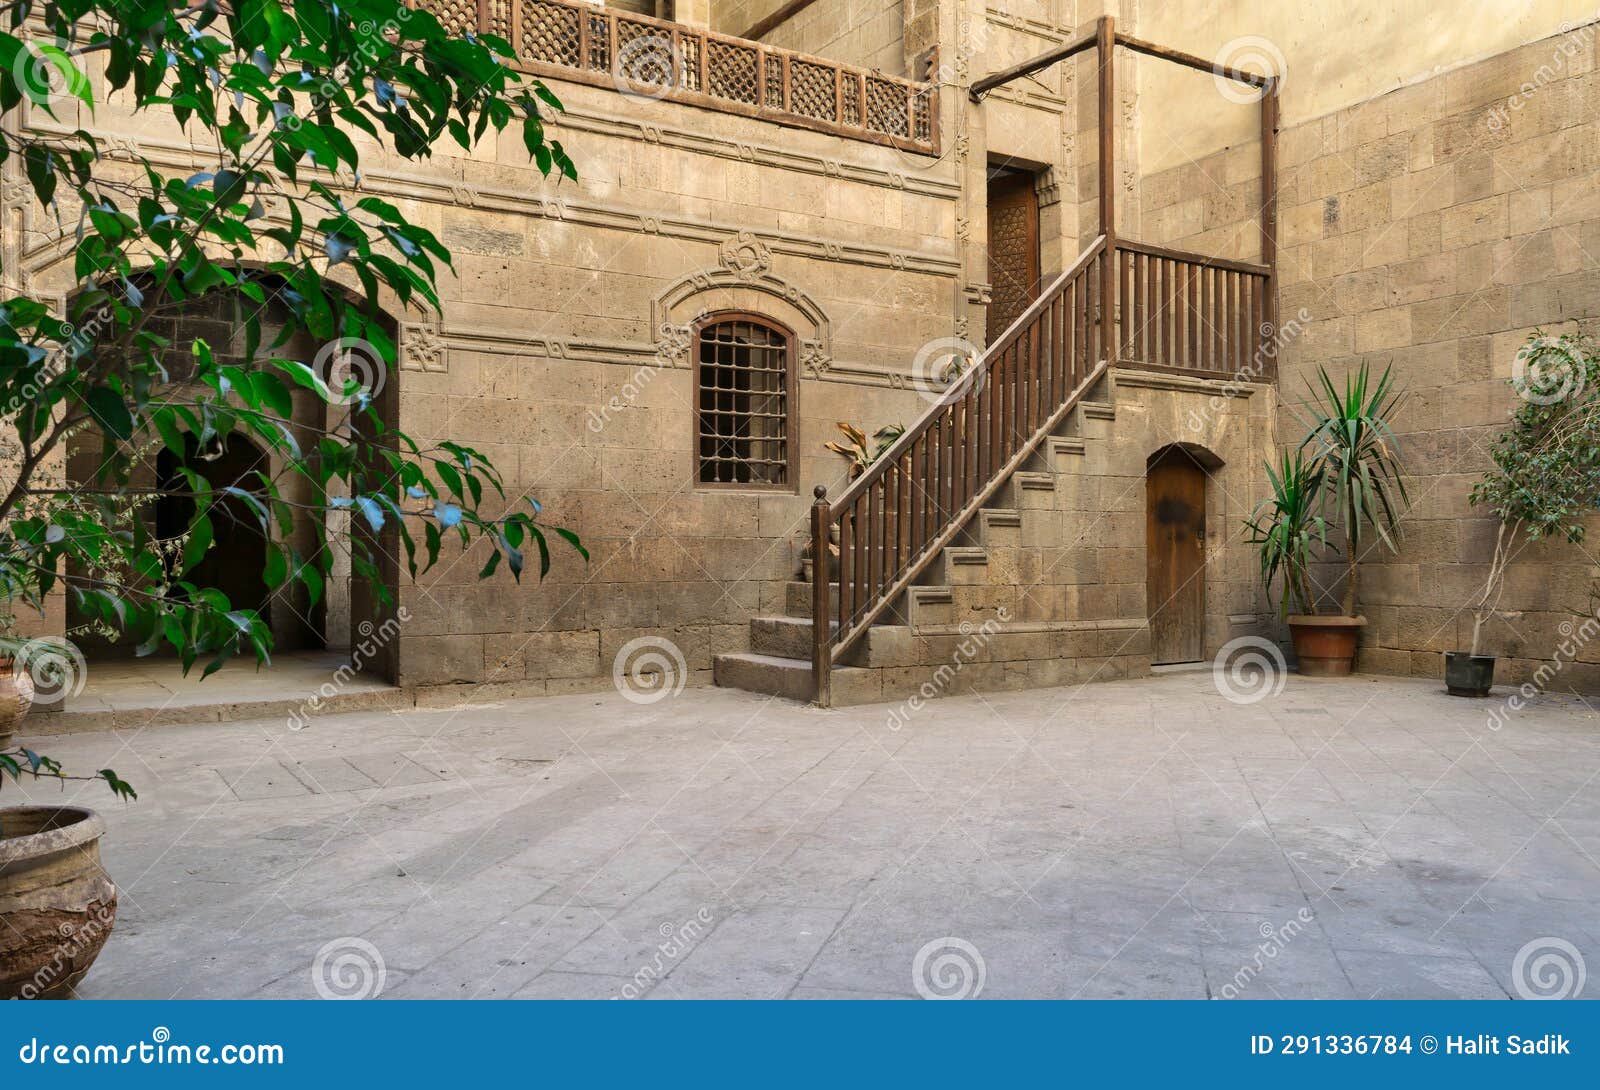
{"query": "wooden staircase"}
(924, 533)
(967, 581)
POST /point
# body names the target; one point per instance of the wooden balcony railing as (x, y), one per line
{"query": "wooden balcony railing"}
(659, 59)
(1188, 312)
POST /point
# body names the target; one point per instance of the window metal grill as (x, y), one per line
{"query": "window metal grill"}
(746, 397)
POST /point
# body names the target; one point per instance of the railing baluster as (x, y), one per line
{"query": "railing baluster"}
(1032, 395)
(863, 509)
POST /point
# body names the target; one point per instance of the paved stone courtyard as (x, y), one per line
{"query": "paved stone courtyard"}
(1146, 839)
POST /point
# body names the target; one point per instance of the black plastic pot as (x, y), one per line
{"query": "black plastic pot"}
(1468, 675)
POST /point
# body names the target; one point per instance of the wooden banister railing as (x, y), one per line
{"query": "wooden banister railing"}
(605, 47)
(1187, 312)
(893, 519)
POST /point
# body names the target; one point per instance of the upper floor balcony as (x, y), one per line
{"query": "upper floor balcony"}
(659, 59)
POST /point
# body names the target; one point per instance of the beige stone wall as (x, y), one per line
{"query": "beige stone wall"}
(1333, 55)
(566, 357)
(1415, 229)
(869, 33)
(1432, 228)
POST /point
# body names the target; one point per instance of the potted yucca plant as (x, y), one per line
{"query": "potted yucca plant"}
(1287, 531)
(1345, 474)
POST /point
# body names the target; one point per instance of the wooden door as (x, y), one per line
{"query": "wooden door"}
(1013, 249)
(1175, 500)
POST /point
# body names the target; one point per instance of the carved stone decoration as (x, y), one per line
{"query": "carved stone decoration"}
(979, 294)
(672, 345)
(814, 358)
(421, 346)
(745, 255)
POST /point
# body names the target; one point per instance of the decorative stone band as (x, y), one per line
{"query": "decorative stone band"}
(654, 58)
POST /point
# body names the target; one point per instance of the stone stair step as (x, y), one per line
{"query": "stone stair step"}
(797, 598)
(962, 565)
(787, 637)
(791, 678)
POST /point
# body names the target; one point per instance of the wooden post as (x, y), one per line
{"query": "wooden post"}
(1269, 218)
(1105, 50)
(821, 563)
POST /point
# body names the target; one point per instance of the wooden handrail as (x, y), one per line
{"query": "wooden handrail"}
(957, 389)
(911, 502)
(1191, 258)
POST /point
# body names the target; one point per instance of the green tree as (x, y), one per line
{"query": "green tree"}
(1546, 474)
(285, 93)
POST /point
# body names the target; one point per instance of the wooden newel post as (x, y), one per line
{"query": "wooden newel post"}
(1105, 52)
(821, 573)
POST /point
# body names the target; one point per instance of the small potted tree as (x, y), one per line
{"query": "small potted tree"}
(1352, 446)
(1545, 478)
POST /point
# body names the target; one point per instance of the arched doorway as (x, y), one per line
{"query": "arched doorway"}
(347, 606)
(1175, 551)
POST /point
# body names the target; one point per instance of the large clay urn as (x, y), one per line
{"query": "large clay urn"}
(56, 904)
(15, 700)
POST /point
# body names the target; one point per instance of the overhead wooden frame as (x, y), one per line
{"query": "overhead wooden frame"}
(1103, 38)
(1089, 40)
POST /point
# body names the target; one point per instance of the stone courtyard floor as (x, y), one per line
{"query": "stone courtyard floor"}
(1360, 838)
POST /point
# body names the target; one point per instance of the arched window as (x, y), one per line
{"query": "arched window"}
(743, 430)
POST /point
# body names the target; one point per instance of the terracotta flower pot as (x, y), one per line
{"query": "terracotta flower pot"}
(1326, 646)
(15, 700)
(56, 904)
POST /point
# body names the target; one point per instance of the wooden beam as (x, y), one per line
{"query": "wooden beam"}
(1028, 67)
(1106, 53)
(773, 21)
(1189, 60)
(1269, 207)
